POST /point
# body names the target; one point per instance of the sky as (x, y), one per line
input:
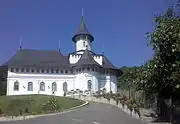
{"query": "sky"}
(118, 26)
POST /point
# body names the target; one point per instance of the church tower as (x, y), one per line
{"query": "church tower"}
(83, 38)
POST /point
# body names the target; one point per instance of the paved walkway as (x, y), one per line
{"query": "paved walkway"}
(94, 113)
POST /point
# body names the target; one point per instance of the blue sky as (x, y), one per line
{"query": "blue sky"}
(119, 26)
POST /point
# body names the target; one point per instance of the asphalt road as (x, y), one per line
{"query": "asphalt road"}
(94, 113)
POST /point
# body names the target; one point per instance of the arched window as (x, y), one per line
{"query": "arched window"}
(42, 86)
(54, 86)
(65, 87)
(16, 86)
(89, 84)
(30, 86)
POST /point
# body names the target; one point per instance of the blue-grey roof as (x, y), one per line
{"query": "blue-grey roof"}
(82, 30)
(86, 59)
(53, 59)
(38, 58)
(107, 64)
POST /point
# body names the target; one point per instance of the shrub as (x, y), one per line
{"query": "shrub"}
(51, 105)
(117, 100)
(136, 110)
(97, 92)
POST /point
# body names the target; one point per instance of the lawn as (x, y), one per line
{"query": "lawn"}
(35, 104)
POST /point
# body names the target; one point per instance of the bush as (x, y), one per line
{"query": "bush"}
(51, 105)
(136, 110)
(117, 100)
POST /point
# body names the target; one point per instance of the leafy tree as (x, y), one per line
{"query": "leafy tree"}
(160, 75)
(128, 76)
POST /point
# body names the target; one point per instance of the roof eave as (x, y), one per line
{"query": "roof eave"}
(91, 37)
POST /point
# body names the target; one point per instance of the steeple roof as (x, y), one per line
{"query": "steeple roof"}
(86, 59)
(82, 30)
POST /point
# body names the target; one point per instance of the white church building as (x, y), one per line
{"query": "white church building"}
(47, 72)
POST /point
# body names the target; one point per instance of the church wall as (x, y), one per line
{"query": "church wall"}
(108, 82)
(36, 79)
(113, 84)
(81, 81)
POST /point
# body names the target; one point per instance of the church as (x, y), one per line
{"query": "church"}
(48, 72)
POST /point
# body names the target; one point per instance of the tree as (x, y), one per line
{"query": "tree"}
(128, 76)
(159, 75)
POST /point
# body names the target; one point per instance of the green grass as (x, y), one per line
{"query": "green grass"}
(35, 104)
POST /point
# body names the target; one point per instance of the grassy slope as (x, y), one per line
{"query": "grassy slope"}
(11, 105)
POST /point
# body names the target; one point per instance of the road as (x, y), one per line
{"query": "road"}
(94, 113)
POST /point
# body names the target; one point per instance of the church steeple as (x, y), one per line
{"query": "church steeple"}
(83, 37)
(82, 31)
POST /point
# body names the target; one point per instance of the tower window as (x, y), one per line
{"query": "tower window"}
(84, 44)
(42, 70)
(47, 70)
(83, 37)
(12, 69)
(57, 70)
(22, 69)
(17, 69)
(52, 70)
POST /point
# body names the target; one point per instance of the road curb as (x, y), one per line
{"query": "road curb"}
(4, 119)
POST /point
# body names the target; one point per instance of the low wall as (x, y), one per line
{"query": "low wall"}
(111, 102)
